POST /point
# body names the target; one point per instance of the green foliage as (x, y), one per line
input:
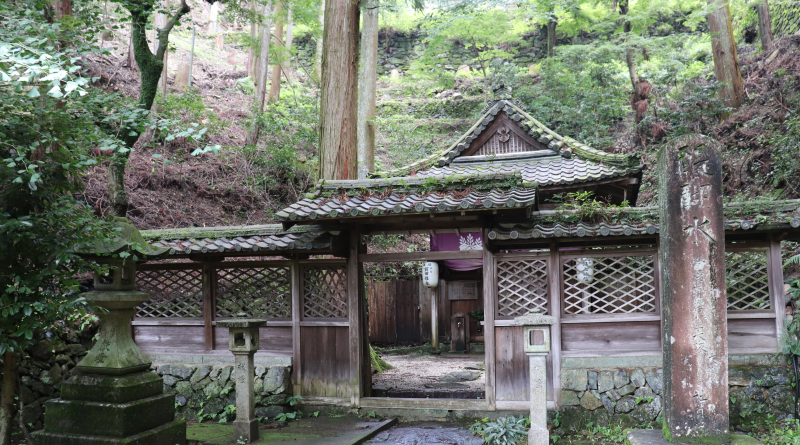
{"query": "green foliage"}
(775, 432)
(578, 96)
(476, 314)
(585, 207)
(377, 362)
(485, 32)
(785, 150)
(503, 431)
(47, 124)
(613, 434)
(228, 411)
(790, 340)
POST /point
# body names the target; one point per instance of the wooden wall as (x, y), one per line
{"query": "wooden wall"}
(448, 306)
(325, 358)
(395, 312)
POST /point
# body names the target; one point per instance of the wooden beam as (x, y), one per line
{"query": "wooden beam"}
(489, 309)
(297, 316)
(440, 404)
(419, 256)
(209, 297)
(776, 292)
(555, 276)
(356, 316)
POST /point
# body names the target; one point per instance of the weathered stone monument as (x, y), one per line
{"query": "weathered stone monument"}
(692, 257)
(182, 76)
(537, 345)
(243, 341)
(114, 399)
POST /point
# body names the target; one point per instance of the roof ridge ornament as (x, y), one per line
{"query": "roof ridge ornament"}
(501, 92)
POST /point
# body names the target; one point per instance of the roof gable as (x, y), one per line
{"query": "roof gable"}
(523, 132)
(503, 136)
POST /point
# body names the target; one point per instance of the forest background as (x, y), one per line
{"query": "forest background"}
(98, 116)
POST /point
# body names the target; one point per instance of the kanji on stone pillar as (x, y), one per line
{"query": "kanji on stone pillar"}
(692, 257)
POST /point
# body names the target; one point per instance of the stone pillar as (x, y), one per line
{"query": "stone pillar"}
(694, 303)
(243, 342)
(537, 346)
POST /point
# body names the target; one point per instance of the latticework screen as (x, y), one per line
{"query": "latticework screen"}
(521, 287)
(610, 285)
(173, 293)
(324, 292)
(263, 292)
(747, 280)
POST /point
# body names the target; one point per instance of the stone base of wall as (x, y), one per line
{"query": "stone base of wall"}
(205, 390)
(760, 387)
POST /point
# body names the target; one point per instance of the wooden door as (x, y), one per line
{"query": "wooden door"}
(407, 310)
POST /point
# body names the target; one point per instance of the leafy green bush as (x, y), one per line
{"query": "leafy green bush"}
(503, 431)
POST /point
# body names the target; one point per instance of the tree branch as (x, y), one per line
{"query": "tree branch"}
(163, 33)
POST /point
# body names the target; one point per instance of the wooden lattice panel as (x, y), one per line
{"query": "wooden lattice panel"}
(324, 292)
(521, 287)
(173, 293)
(609, 285)
(747, 280)
(262, 292)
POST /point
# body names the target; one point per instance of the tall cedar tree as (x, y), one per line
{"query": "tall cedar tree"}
(339, 91)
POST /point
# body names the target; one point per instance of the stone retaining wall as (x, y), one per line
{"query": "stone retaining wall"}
(634, 397)
(206, 390)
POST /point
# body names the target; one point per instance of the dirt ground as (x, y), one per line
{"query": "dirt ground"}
(412, 373)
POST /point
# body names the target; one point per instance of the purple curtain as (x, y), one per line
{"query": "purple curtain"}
(449, 242)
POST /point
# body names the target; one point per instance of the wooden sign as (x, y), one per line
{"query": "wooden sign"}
(462, 290)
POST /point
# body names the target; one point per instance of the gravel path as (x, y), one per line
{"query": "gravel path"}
(413, 372)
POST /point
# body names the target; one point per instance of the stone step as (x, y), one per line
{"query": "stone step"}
(172, 433)
(112, 389)
(656, 437)
(108, 419)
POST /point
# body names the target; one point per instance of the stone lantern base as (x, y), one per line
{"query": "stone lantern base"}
(108, 410)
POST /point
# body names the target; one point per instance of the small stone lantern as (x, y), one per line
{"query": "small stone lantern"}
(537, 346)
(243, 342)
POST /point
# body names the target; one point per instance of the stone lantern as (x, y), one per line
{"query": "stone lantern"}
(113, 398)
(243, 341)
(537, 346)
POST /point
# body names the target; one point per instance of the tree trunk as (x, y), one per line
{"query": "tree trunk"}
(7, 396)
(262, 68)
(150, 67)
(275, 83)
(367, 80)
(287, 65)
(62, 8)
(339, 86)
(551, 37)
(318, 55)
(764, 25)
(726, 61)
(130, 60)
(251, 55)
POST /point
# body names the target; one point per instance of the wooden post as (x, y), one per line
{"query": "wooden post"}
(209, 306)
(555, 276)
(297, 313)
(776, 293)
(355, 314)
(489, 308)
(694, 302)
(435, 317)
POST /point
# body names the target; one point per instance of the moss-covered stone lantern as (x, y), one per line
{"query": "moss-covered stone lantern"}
(114, 399)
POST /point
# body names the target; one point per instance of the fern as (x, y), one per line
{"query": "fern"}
(793, 260)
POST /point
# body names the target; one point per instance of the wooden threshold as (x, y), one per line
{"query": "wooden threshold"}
(609, 353)
(325, 401)
(519, 405)
(442, 404)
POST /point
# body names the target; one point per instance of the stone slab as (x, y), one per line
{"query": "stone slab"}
(322, 430)
(216, 359)
(108, 419)
(173, 433)
(655, 437)
(112, 389)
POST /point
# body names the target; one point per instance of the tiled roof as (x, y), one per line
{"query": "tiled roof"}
(549, 170)
(645, 221)
(267, 239)
(404, 203)
(560, 145)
